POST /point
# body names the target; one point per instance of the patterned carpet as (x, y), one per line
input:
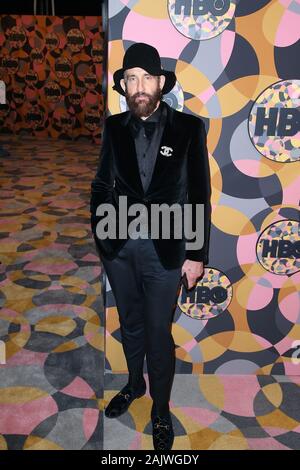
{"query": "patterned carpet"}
(50, 297)
(51, 320)
(210, 412)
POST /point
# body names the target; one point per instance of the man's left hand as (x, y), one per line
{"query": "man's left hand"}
(193, 270)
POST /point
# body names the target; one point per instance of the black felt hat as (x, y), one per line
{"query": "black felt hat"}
(146, 57)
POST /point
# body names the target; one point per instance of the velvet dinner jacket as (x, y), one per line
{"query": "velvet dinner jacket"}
(183, 176)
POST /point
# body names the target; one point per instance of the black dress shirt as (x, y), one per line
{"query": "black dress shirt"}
(147, 135)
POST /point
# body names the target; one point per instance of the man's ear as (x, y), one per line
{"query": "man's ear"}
(162, 80)
(122, 83)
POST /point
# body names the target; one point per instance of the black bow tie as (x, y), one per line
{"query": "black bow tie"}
(138, 124)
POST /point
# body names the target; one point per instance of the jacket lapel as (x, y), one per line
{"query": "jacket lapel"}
(166, 140)
(130, 164)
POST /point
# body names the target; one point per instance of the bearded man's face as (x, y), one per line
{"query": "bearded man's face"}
(143, 91)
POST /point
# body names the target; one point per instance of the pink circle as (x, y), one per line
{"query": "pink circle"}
(248, 167)
(245, 249)
(22, 418)
(139, 28)
(290, 307)
(238, 403)
(288, 29)
(227, 44)
(259, 297)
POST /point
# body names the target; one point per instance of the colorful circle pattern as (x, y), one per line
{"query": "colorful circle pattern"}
(201, 20)
(278, 247)
(210, 297)
(274, 122)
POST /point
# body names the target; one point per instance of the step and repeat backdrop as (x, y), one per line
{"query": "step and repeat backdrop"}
(52, 69)
(237, 66)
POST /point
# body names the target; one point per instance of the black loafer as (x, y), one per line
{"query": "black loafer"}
(163, 434)
(121, 402)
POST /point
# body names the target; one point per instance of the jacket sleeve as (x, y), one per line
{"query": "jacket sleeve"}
(103, 183)
(199, 188)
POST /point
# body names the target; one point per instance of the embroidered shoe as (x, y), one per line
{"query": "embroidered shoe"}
(163, 434)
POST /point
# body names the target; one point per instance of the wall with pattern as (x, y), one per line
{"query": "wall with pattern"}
(52, 67)
(236, 65)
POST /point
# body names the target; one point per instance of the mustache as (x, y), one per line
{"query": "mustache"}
(138, 95)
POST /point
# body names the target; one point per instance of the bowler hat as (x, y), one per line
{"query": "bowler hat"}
(146, 57)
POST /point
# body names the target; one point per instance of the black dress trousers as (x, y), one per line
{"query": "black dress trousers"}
(146, 296)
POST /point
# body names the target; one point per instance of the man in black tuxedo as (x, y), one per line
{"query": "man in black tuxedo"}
(151, 155)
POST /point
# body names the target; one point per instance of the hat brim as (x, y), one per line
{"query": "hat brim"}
(168, 86)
